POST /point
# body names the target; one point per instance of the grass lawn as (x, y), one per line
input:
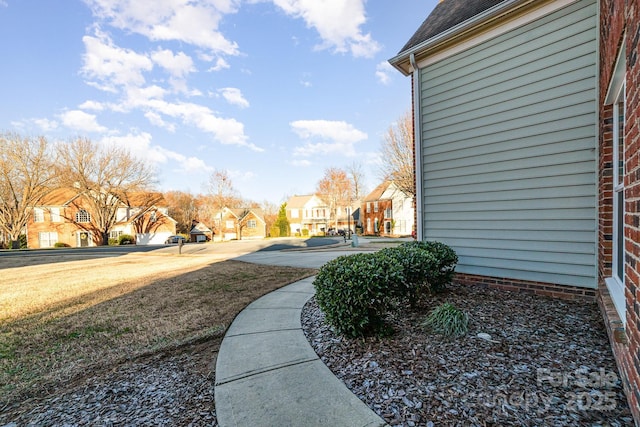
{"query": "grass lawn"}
(61, 322)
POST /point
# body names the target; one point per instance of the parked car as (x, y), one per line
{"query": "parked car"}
(175, 239)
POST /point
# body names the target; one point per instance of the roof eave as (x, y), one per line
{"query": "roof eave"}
(402, 62)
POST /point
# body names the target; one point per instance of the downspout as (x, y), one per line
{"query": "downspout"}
(417, 146)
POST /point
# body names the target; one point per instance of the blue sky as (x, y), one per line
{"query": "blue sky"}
(273, 91)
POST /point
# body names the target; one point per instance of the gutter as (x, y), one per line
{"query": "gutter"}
(488, 14)
(417, 147)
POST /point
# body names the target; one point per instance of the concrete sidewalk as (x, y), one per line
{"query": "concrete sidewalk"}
(267, 374)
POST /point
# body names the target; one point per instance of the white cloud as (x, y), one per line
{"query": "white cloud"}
(194, 22)
(227, 131)
(336, 137)
(111, 66)
(221, 64)
(234, 96)
(45, 124)
(140, 146)
(156, 119)
(178, 65)
(383, 71)
(337, 21)
(92, 105)
(81, 121)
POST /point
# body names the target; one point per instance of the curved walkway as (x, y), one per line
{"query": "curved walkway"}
(267, 374)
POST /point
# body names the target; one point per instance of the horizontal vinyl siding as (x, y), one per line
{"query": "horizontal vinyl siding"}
(508, 143)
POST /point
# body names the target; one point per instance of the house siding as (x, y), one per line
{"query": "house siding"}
(508, 151)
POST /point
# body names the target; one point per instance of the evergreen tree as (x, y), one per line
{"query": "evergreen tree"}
(282, 223)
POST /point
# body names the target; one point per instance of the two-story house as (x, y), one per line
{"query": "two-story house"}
(308, 212)
(526, 144)
(65, 216)
(387, 210)
(240, 224)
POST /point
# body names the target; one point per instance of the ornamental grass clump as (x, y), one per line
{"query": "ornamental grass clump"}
(447, 320)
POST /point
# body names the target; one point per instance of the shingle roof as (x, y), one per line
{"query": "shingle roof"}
(377, 192)
(447, 14)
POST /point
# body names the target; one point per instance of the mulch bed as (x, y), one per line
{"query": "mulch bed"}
(548, 362)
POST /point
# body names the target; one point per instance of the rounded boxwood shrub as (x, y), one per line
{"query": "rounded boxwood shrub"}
(441, 273)
(356, 291)
(61, 245)
(126, 239)
(417, 265)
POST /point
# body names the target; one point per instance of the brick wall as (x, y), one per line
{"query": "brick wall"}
(620, 17)
(537, 288)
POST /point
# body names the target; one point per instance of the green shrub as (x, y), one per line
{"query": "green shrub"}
(356, 291)
(126, 239)
(113, 241)
(445, 263)
(417, 265)
(305, 232)
(447, 320)
(274, 231)
(61, 245)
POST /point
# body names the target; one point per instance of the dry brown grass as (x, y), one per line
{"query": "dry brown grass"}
(60, 321)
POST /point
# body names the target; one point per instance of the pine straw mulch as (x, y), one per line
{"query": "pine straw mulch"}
(548, 362)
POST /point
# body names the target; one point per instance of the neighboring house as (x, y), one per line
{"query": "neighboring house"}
(307, 212)
(64, 216)
(144, 215)
(240, 224)
(527, 151)
(387, 210)
(200, 232)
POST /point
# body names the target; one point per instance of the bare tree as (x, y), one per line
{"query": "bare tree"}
(222, 193)
(104, 176)
(182, 208)
(336, 189)
(270, 212)
(26, 177)
(357, 178)
(397, 155)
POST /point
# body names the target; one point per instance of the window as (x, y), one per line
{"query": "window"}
(375, 206)
(388, 213)
(47, 239)
(55, 214)
(618, 187)
(252, 223)
(83, 216)
(617, 99)
(368, 207)
(38, 215)
(294, 213)
(115, 234)
(229, 224)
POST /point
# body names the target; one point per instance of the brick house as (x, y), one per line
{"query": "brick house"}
(64, 216)
(239, 224)
(526, 141)
(619, 187)
(387, 210)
